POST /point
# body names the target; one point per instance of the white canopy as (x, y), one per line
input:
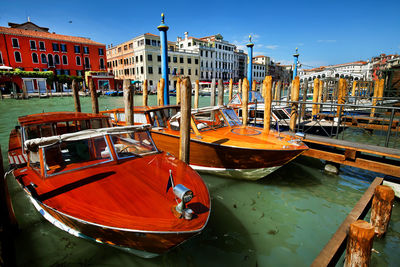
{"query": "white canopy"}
(195, 111)
(85, 134)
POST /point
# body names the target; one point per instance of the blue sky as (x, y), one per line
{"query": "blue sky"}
(326, 32)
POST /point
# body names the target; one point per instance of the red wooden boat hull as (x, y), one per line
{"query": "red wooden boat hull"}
(143, 243)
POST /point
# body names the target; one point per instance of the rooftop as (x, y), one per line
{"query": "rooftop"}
(20, 30)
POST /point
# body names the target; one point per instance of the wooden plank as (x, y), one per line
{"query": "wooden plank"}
(332, 251)
(365, 148)
(366, 164)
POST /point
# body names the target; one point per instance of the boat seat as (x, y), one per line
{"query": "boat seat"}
(202, 125)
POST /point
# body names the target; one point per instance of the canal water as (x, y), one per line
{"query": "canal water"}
(284, 219)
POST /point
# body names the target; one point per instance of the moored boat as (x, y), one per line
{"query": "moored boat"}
(113, 186)
(220, 144)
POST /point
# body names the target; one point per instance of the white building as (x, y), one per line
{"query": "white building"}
(359, 70)
(140, 59)
(258, 72)
(217, 56)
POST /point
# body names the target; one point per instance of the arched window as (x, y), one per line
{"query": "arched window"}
(102, 64)
(87, 63)
(17, 56)
(57, 59)
(35, 58)
(50, 60)
(64, 60)
(43, 58)
(78, 61)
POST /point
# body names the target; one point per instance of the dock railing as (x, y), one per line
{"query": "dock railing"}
(379, 124)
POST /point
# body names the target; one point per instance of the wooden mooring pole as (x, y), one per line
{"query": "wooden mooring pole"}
(382, 209)
(145, 93)
(315, 98)
(186, 93)
(230, 89)
(342, 90)
(93, 93)
(128, 102)
(303, 105)
(240, 86)
(374, 98)
(295, 97)
(220, 93)
(267, 89)
(212, 95)
(196, 94)
(254, 86)
(359, 244)
(245, 101)
(178, 91)
(160, 92)
(75, 93)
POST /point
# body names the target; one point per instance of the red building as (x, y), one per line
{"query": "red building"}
(32, 48)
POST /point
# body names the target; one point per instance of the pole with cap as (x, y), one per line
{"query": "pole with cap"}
(296, 58)
(250, 61)
(164, 57)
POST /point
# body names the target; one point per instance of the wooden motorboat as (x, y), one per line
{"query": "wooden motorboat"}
(280, 117)
(112, 186)
(220, 144)
(49, 124)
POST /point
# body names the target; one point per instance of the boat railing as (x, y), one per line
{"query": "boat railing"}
(377, 124)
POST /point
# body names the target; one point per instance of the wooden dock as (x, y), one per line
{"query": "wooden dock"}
(368, 157)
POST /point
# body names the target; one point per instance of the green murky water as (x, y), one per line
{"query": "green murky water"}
(282, 220)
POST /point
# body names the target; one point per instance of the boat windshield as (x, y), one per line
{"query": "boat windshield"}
(231, 117)
(253, 96)
(133, 144)
(70, 155)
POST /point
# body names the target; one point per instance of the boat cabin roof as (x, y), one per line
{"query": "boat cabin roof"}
(86, 134)
(253, 95)
(140, 109)
(50, 117)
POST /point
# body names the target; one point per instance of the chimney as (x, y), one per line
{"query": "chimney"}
(186, 35)
(178, 39)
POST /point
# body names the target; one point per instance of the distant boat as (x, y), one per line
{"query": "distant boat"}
(109, 185)
(220, 144)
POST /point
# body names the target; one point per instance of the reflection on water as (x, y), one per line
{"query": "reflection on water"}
(282, 220)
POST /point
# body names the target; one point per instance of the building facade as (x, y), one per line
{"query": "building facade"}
(217, 56)
(140, 59)
(258, 72)
(32, 48)
(359, 70)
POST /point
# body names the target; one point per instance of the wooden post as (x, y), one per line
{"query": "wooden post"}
(326, 92)
(75, 93)
(267, 92)
(381, 87)
(320, 92)
(381, 210)
(245, 100)
(305, 92)
(254, 86)
(145, 93)
(220, 92)
(95, 103)
(212, 95)
(295, 97)
(186, 93)
(278, 90)
(24, 91)
(374, 97)
(178, 91)
(315, 98)
(230, 89)
(240, 86)
(341, 95)
(353, 91)
(128, 102)
(359, 244)
(196, 94)
(160, 92)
